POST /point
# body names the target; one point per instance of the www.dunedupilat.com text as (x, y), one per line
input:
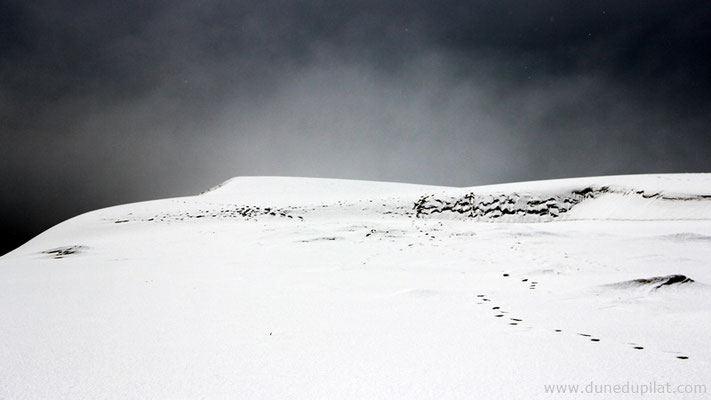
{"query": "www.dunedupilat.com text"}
(640, 389)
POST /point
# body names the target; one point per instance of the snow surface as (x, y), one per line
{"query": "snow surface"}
(272, 288)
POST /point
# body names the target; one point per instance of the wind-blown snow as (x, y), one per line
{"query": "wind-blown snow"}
(269, 287)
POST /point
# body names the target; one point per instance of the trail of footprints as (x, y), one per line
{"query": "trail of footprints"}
(500, 313)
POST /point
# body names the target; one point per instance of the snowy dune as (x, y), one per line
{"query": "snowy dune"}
(268, 287)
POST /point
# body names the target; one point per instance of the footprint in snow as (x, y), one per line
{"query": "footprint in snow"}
(516, 321)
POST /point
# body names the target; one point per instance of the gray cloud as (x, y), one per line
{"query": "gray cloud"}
(109, 103)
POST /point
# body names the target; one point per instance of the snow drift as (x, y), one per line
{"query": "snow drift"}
(268, 287)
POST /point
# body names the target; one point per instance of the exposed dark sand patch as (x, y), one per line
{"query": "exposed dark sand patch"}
(64, 251)
(656, 282)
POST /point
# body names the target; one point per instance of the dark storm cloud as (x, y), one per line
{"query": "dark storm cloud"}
(108, 102)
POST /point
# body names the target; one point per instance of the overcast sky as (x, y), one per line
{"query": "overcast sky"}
(107, 102)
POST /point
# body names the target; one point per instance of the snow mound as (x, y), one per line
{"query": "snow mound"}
(631, 197)
(271, 288)
(625, 198)
(656, 282)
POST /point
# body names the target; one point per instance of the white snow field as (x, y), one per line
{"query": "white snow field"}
(294, 288)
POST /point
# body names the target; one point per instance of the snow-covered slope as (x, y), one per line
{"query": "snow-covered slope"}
(313, 288)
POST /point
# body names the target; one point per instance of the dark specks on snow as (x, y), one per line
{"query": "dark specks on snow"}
(244, 212)
(64, 251)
